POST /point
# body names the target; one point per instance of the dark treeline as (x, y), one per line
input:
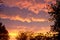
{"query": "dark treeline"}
(55, 16)
(39, 36)
(3, 33)
(25, 35)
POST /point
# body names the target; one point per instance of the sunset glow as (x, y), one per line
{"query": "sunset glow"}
(13, 34)
(25, 16)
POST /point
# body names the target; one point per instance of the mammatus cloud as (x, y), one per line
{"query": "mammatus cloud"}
(19, 18)
(31, 5)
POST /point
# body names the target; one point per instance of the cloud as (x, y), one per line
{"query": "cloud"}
(19, 18)
(24, 11)
(32, 5)
(53, 1)
(39, 19)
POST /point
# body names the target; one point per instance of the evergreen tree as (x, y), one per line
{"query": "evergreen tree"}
(55, 14)
(3, 32)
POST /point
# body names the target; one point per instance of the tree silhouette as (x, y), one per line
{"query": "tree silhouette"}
(22, 36)
(31, 37)
(55, 15)
(3, 33)
(38, 37)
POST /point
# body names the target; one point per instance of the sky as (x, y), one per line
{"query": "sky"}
(25, 15)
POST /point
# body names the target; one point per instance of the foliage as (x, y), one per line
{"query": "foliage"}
(22, 36)
(55, 15)
(39, 36)
(3, 32)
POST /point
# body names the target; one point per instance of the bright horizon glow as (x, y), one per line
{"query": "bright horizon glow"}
(13, 34)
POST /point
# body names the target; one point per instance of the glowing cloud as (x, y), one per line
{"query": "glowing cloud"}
(19, 18)
(31, 5)
(39, 19)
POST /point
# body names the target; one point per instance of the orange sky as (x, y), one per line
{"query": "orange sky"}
(25, 15)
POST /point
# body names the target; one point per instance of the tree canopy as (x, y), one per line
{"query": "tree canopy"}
(55, 15)
(3, 33)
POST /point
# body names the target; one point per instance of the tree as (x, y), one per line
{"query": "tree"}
(22, 36)
(38, 37)
(55, 15)
(3, 33)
